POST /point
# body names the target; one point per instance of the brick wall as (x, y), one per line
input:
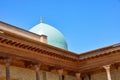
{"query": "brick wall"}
(70, 78)
(115, 74)
(17, 73)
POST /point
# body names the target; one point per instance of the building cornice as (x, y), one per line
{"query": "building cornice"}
(99, 52)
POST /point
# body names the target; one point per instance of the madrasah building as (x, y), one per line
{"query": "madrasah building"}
(41, 54)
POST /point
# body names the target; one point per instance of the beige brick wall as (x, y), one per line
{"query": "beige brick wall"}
(18, 73)
(2, 71)
(70, 77)
(99, 76)
(115, 75)
(27, 74)
(51, 76)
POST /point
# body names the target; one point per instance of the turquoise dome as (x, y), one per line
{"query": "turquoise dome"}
(54, 37)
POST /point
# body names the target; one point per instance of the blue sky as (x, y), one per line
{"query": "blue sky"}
(86, 24)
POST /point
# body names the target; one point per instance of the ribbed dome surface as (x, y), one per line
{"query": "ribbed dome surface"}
(55, 37)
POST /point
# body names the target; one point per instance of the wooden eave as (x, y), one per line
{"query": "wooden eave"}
(96, 59)
(99, 52)
(19, 45)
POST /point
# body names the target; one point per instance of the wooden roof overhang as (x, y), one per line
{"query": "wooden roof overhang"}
(18, 43)
(25, 46)
(96, 59)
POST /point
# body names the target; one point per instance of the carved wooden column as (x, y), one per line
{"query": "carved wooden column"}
(107, 68)
(89, 76)
(37, 68)
(82, 78)
(44, 76)
(78, 76)
(7, 66)
(60, 71)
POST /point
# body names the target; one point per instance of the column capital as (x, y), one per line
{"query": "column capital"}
(37, 67)
(60, 71)
(7, 61)
(77, 75)
(106, 67)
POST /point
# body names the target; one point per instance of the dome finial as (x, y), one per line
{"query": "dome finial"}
(41, 21)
